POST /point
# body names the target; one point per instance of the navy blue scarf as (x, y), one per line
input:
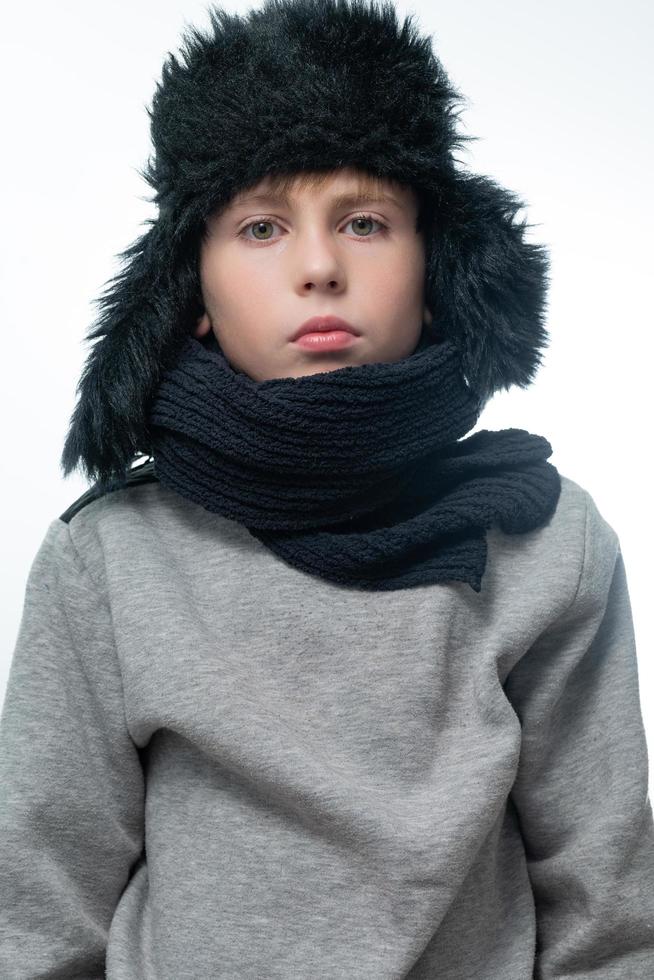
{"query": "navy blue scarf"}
(357, 475)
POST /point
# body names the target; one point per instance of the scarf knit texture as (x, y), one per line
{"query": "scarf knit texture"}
(357, 475)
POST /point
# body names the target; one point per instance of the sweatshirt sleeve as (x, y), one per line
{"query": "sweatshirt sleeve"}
(71, 780)
(581, 791)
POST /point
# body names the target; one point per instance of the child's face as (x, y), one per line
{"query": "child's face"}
(311, 257)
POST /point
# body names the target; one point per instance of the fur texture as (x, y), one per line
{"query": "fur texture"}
(303, 85)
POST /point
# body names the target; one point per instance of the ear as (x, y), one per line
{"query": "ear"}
(203, 326)
(486, 283)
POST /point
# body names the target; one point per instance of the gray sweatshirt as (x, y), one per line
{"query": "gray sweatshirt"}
(215, 765)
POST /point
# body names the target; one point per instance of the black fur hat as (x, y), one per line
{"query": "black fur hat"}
(304, 85)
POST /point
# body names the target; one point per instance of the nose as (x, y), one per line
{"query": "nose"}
(318, 261)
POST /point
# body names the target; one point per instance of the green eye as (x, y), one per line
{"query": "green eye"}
(258, 224)
(362, 218)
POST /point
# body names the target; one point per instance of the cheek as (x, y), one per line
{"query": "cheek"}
(400, 281)
(205, 268)
(414, 275)
(220, 280)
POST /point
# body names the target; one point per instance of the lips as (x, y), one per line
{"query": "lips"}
(322, 324)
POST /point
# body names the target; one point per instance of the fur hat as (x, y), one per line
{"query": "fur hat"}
(303, 85)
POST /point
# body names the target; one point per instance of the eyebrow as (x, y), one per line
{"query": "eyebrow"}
(350, 199)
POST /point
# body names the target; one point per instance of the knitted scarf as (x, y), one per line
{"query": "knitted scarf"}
(357, 475)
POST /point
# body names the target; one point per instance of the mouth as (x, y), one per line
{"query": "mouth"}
(322, 327)
(323, 341)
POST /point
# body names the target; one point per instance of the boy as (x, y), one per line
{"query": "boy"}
(321, 689)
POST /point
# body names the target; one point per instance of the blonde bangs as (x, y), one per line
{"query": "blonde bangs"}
(368, 185)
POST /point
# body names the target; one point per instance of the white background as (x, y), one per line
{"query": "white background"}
(560, 98)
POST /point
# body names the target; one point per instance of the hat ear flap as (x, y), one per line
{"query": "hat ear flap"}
(141, 313)
(486, 285)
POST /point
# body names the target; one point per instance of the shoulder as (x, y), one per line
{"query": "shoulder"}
(579, 513)
(577, 523)
(572, 553)
(116, 526)
(63, 543)
(600, 545)
(144, 473)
